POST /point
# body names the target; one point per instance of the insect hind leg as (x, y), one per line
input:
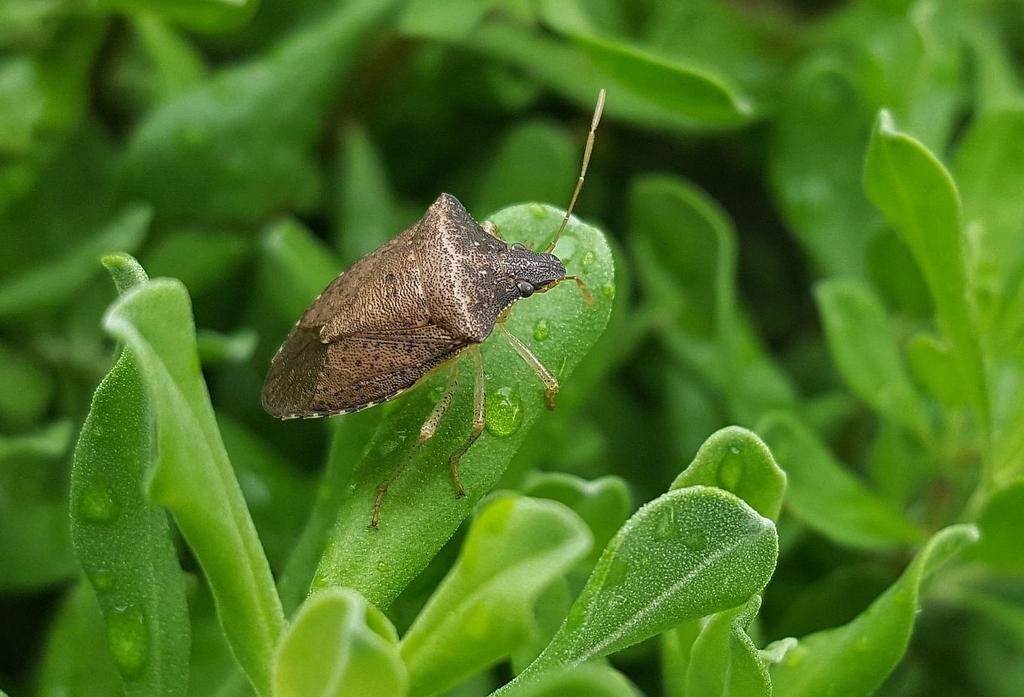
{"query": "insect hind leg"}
(479, 420)
(427, 431)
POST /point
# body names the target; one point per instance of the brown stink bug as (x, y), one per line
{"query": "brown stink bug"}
(434, 292)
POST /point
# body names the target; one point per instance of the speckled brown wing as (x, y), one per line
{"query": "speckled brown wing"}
(310, 377)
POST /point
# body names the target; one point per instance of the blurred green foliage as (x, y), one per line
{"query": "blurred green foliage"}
(805, 241)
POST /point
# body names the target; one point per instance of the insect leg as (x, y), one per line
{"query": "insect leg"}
(549, 380)
(427, 431)
(479, 419)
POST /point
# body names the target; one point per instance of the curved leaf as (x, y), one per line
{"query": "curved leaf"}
(736, 460)
(919, 198)
(122, 541)
(421, 512)
(192, 476)
(687, 554)
(724, 661)
(483, 609)
(339, 645)
(854, 659)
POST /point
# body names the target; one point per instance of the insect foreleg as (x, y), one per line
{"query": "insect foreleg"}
(549, 380)
(479, 419)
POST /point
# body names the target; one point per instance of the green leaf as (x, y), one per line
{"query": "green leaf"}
(124, 543)
(933, 364)
(826, 497)
(1000, 524)
(192, 476)
(866, 351)
(724, 661)
(693, 92)
(736, 460)
(568, 71)
(685, 245)
(822, 198)
(365, 217)
(854, 659)
(483, 609)
(687, 554)
(989, 172)
(918, 197)
(237, 147)
(587, 680)
(604, 503)
(339, 645)
(35, 547)
(199, 15)
(421, 512)
(452, 20)
(56, 281)
(75, 660)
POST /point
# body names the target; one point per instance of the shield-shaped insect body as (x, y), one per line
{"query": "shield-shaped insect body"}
(438, 289)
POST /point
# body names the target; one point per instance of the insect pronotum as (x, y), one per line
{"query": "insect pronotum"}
(423, 299)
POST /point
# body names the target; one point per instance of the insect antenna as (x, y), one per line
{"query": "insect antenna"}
(598, 110)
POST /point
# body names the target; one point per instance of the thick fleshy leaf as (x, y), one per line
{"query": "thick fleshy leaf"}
(587, 680)
(604, 504)
(736, 460)
(854, 659)
(864, 348)
(687, 554)
(192, 476)
(724, 662)
(421, 512)
(339, 645)
(919, 198)
(826, 497)
(123, 541)
(483, 609)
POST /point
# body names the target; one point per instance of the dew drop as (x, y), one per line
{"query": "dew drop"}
(98, 504)
(587, 260)
(382, 567)
(504, 411)
(608, 291)
(696, 540)
(616, 572)
(665, 527)
(538, 211)
(730, 470)
(102, 579)
(541, 331)
(128, 637)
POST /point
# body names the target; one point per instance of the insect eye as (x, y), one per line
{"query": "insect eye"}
(525, 288)
(518, 246)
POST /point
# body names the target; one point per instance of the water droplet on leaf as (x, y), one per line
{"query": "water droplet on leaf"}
(665, 527)
(128, 637)
(538, 211)
(730, 470)
(587, 260)
(608, 291)
(696, 540)
(504, 411)
(102, 579)
(541, 331)
(98, 504)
